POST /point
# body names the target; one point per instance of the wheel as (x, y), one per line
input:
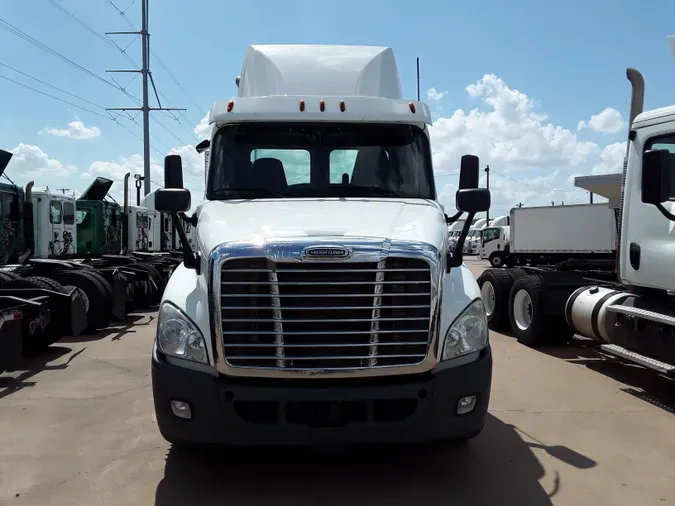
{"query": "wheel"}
(495, 286)
(526, 311)
(7, 276)
(156, 277)
(47, 283)
(496, 259)
(516, 272)
(101, 280)
(92, 292)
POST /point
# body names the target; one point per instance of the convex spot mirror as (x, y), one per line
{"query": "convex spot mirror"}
(172, 200)
(473, 200)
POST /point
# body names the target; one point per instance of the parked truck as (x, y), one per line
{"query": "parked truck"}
(623, 299)
(321, 303)
(549, 235)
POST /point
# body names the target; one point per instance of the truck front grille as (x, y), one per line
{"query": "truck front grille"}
(325, 315)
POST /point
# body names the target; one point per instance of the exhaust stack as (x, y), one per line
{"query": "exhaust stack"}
(637, 98)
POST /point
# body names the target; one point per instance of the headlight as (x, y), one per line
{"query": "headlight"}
(468, 333)
(178, 336)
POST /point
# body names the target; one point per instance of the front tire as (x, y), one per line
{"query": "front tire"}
(496, 259)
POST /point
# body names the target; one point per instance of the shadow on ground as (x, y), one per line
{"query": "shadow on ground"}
(498, 467)
(640, 382)
(115, 331)
(21, 377)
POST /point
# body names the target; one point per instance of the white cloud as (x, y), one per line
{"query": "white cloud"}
(203, 129)
(434, 95)
(612, 159)
(531, 158)
(609, 121)
(30, 161)
(76, 130)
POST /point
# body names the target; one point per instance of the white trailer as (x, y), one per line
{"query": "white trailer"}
(550, 234)
(321, 286)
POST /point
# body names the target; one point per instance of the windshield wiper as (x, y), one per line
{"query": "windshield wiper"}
(379, 190)
(264, 191)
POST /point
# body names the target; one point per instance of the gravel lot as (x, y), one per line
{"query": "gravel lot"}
(565, 427)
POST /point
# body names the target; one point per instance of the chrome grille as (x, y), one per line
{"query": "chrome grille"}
(325, 315)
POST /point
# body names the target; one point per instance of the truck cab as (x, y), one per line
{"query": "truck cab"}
(138, 223)
(495, 245)
(55, 231)
(98, 221)
(322, 302)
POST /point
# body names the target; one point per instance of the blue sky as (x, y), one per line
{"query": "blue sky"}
(567, 59)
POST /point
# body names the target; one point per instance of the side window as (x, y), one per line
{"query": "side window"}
(68, 213)
(10, 204)
(490, 234)
(81, 218)
(55, 212)
(667, 143)
(296, 163)
(342, 162)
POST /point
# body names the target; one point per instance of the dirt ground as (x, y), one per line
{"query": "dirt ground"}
(565, 427)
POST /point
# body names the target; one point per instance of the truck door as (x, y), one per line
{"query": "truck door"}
(55, 228)
(647, 237)
(69, 234)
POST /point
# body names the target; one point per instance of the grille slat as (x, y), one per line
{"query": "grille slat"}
(325, 315)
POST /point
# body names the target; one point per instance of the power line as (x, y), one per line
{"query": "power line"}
(113, 119)
(55, 97)
(23, 35)
(159, 60)
(111, 43)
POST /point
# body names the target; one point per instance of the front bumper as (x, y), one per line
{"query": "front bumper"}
(321, 411)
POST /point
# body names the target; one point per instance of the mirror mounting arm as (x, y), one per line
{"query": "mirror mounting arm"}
(455, 257)
(449, 220)
(190, 260)
(665, 212)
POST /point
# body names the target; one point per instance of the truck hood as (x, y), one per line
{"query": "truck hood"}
(268, 219)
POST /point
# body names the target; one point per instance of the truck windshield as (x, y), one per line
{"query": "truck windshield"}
(320, 160)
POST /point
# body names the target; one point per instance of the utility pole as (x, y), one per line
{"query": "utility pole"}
(145, 108)
(63, 190)
(138, 179)
(487, 213)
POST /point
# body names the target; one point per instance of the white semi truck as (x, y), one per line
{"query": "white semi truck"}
(322, 302)
(622, 299)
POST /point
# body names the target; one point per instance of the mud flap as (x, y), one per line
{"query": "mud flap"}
(78, 314)
(10, 339)
(119, 287)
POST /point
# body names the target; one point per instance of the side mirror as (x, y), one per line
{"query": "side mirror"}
(172, 200)
(203, 146)
(173, 172)
(468, 172)
(473, 200)
(656, 176)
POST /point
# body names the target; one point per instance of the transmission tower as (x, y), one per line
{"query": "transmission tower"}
(145, 108)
